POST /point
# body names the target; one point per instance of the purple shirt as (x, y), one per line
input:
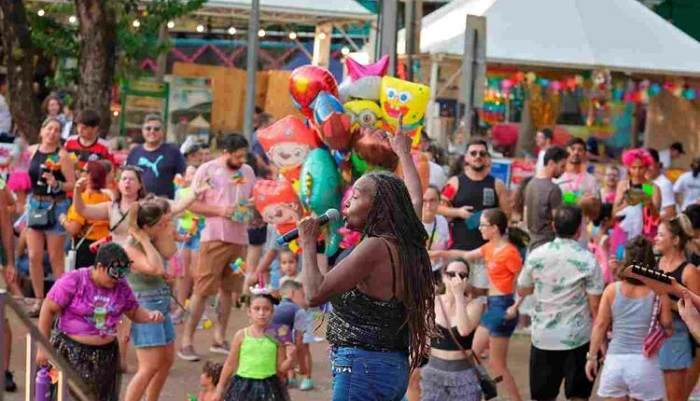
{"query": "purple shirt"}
(89, 310)
(230, 187)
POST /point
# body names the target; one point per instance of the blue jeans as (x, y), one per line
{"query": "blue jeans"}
(361, 375)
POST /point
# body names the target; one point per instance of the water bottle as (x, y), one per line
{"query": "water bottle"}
(43, 384)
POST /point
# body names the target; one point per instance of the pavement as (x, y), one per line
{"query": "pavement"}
(184, 376)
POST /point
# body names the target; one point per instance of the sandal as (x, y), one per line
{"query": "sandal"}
(35, 310)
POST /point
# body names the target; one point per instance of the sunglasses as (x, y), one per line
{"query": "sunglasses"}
(118, 269)
(151, 127)
(462, 275)
(481, 153)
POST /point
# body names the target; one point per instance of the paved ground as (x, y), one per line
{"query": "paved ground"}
(184, 377)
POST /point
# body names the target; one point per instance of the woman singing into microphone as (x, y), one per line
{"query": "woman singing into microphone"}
(382, 293)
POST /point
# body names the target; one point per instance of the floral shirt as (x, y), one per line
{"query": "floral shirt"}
(562, 273)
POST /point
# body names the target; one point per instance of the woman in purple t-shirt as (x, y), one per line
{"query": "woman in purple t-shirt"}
(89, 303)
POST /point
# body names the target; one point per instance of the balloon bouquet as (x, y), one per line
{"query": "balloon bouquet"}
(341, 139)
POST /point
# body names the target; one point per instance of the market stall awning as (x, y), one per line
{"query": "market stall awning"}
(300, 12)
(622, 35)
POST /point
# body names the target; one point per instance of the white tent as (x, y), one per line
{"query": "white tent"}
(293, 11)
(622, 35)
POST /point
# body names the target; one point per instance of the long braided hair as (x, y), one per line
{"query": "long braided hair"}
(392, 217)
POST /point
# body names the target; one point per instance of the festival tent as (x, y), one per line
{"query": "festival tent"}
(301, 12)
(622, 35)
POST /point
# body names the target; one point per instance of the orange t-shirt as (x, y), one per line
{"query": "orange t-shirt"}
(502, 266)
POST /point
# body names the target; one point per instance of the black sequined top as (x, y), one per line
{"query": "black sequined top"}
(360, 321)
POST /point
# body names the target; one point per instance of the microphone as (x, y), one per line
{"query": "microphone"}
(330, 215)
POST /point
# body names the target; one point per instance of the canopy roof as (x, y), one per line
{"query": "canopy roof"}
(622, 35)
(301, 12)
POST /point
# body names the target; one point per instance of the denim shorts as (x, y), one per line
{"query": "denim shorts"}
(495, 317)
(192, 244)
(362, 375)
(676, 352)
(153, 334)
(60, 207)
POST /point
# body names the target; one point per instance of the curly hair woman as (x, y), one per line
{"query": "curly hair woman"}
(382, 293)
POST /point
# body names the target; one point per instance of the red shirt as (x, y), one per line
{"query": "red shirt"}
(99, 150)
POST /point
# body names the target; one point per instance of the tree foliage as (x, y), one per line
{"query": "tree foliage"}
(56, 37)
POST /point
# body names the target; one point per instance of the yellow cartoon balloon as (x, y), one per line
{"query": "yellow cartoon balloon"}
(402, 97)
(363, 113)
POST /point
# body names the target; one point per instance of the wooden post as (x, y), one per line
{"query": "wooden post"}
(473, 69)
(322, 45)
(387, 33)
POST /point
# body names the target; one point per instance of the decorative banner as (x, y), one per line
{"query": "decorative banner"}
(190, 103)
(500, 169)
(141, 98)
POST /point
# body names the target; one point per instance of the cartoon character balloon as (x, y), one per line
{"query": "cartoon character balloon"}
(363, 113)
(287, 143)
(331, 122)
(363, 81)
(319, 190)
(278, 204)
(306, 82)
(410, 99)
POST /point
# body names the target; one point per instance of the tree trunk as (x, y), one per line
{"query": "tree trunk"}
(19, 57)
(526, 133)
(97, 20)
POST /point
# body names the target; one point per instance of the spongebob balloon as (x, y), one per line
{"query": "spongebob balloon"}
(363, 113)
(398, 97)
(287, 143)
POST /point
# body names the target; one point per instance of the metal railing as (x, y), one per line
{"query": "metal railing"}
(66, 375)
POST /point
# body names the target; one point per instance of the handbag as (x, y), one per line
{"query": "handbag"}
(41, 219)
(487, 384)
(72, 254)
(656, 335)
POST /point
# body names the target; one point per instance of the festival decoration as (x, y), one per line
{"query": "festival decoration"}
(306, 82)
(319, 190)
(287, 143)
(239, 266)
(409, 99)
(331, 122)
(363, 81)
(278, 204)
(363, 113)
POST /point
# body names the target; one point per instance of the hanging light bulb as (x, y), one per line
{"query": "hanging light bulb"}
(136, 23)
(115, 113)
(200, 28)
(171, 24)
(41, 12)
(292, 35)
(322, 35)
(73, 19)
(232, 30)
(345, 50)
(262, 33)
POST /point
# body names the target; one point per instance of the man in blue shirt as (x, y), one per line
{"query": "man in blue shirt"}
(160, 161)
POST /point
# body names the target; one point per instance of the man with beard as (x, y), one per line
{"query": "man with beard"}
(467, 195)
(542, 197)
(160, 161)
(223, 239)
(576, 182)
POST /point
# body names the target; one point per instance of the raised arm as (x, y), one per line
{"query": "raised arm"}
(471, 256)
(401, 144)
(99, 211)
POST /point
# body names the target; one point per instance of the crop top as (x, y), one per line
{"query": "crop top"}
(446, 343)
(89, 310)
(503, 266)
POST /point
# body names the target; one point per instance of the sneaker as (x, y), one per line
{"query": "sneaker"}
(306, 384)
(188, 354)
(224, 348)
(291, 382)
(10, 385)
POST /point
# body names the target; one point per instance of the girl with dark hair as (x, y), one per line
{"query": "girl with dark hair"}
(628, 306)
(503, 264)
(85, 232)
(257, 361)
(382, 293)
(89, 303)
(675, 356)
(448, 375)
(688, 184)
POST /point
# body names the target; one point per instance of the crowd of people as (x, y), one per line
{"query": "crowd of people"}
(441, 278)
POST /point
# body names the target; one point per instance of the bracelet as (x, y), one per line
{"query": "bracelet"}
(591, 357)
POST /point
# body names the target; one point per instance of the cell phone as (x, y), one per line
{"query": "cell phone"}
(42, 180)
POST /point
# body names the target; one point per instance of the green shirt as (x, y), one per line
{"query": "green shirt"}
(257, 358)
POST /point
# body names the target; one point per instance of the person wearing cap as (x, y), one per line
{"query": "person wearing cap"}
(89, 303)
(668, 156)
(688, 185)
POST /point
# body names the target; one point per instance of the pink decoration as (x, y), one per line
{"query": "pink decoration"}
(506, 84)
(555, 85)
(357, 70)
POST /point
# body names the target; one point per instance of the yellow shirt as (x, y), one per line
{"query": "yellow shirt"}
(100, 227)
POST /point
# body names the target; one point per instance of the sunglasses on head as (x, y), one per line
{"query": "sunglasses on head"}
(475, 153)
(118, 269)
(151, 127)
(462, 275)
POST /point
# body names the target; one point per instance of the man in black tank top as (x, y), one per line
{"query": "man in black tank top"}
(468, 194)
